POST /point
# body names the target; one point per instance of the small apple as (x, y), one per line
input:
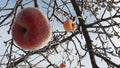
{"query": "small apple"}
(70, 25)
(62, 65)
(31, 29)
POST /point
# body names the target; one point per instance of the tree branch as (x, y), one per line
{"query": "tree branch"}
(107, 60)
(104, 19)
(85, 33)
(36, 4)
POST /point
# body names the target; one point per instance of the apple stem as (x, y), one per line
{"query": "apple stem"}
(77, 17)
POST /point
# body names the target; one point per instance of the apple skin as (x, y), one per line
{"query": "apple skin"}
(31, 29)
(69, 25)
(62, 65)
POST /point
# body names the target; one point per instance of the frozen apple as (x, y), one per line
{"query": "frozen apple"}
(31, 29)
(70, 25)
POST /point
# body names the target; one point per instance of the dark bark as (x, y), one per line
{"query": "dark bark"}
(85, 34)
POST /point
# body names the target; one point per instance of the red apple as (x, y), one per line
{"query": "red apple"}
(62, 65)
(31, 29)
